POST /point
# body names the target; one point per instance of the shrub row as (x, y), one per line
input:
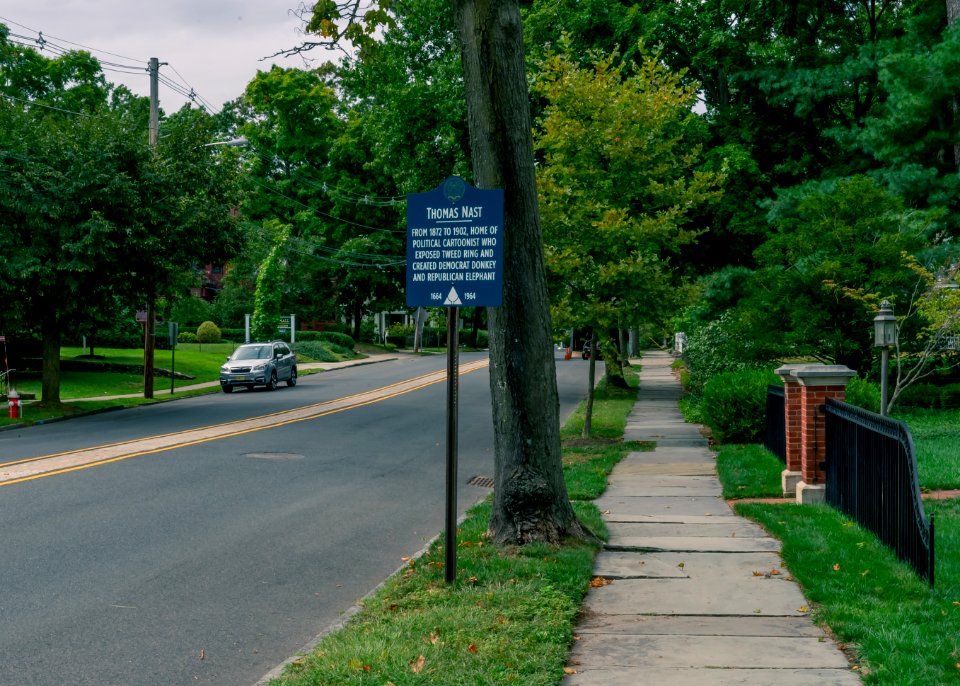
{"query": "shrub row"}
(734, 404)
(437, 338)
(930, 396)
(315, 350)
(341, 339)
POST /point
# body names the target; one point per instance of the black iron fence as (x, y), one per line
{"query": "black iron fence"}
(872, 478)
(775, 427)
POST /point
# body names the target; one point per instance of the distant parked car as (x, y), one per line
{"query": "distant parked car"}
(259, 364)
(588, 350)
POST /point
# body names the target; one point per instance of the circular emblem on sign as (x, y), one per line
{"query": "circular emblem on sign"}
(453, 188)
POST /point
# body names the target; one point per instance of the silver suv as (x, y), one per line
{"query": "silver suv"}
(259, 364)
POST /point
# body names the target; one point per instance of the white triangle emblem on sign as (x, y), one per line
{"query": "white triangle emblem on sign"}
(453, 298)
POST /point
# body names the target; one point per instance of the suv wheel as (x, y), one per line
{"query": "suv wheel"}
(272, 384)
(227, 389)
(292, 381)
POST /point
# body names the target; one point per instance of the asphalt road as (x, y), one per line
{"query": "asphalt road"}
(214, 562)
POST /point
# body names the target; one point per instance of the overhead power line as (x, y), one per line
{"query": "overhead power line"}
(134, 66)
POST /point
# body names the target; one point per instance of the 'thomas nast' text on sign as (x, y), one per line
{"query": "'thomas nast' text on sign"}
(455, 246)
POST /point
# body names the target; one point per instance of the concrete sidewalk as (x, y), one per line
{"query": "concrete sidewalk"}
(697, 595)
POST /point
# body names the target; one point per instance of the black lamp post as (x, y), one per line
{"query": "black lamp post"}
(884, 336)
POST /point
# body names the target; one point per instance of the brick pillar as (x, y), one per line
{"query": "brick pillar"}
(792, 475)
(816, 383)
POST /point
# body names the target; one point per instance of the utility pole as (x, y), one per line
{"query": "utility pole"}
(148, 339)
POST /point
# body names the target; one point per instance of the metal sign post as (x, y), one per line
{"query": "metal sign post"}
(453, 400)
(454, 259)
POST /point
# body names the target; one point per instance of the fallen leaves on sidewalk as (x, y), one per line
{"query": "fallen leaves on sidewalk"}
(599, 582)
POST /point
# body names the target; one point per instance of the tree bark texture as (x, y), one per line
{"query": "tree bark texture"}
(953, 15)
(530, 498)
(50, 375)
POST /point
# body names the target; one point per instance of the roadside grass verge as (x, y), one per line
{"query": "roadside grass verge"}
(508, 618)
(749, 471)
(201, 362)
(33, 413)
(611, 406)
(898, 630)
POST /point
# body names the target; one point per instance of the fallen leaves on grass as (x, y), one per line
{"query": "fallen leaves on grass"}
(416, 666)
(358, 665)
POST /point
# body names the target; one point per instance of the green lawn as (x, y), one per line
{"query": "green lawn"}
(936, 437)
(199, 361)
(900, 631)
(751, 471)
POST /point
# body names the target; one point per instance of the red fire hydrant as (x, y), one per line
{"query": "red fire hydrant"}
(13, 402)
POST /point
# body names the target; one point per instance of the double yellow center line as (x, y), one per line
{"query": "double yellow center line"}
(18, 471)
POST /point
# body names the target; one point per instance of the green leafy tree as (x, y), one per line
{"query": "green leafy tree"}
(617, 184)
(837, 251)
(267, 299)
(68, 192)
(88, 210)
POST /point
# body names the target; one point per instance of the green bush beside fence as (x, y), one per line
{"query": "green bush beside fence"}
(734, 405)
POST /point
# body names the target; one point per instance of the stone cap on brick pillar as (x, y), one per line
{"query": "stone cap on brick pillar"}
(786, 371)
(822, 374)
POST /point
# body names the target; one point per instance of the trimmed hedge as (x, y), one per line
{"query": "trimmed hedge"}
(931, 396)
(315, 350)
(734, 405)
(234, 335)
(341, 339)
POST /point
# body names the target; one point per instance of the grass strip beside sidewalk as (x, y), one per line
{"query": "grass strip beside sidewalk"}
(893, 627)
(896, 629)
(509, 617)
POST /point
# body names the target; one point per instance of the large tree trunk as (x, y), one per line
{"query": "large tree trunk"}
(530, 501)
(953, 15)
(50, 379)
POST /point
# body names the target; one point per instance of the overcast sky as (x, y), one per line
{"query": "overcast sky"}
(216, 45)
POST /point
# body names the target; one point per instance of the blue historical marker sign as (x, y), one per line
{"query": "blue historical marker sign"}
(455, 246)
